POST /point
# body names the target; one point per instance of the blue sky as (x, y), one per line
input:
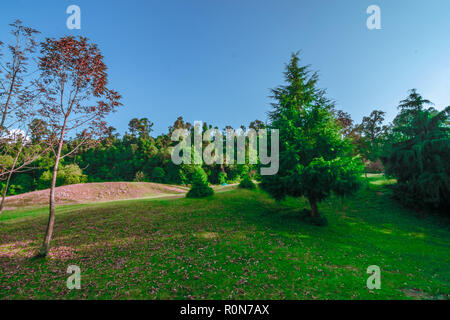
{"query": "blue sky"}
(215, 60)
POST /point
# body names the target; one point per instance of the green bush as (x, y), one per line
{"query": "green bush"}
(247, 183)
(45, 180)
(199, 185)
(70, 174)
(222, 177)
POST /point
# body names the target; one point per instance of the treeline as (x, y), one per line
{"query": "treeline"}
(414, 148)
(135, 156)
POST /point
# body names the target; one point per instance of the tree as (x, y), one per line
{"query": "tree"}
(180, 124)
(13, 87)
(140, 127)
(16, 105)
(20, 154)
(74, 96)
(247, 182)
(256, 125)
(418, 154)
(372, 134)
(38, 130)
(315, 160)
(345, 121)
(199, 184)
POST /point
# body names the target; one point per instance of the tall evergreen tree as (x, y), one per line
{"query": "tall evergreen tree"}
(315, 159)
(418, 154)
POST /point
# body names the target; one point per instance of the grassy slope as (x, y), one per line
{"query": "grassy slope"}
(237, 244)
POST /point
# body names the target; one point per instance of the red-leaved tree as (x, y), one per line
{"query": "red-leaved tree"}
(74, 100)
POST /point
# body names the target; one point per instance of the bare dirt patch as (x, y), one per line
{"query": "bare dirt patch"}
(93, 192)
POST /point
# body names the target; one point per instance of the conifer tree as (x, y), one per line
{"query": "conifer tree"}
(199, 184)
(315, 159)
(418, 154)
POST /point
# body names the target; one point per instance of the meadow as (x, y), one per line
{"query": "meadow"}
(237, 244)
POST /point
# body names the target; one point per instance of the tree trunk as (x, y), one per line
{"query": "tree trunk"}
(51, 219)
(5, 190)
(4, 193)
(314, 211)
(10, 93)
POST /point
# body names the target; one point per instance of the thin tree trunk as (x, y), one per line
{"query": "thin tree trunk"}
(4, 194)
(51, 219)
(10, 91)
(314, 210)
(5, 190)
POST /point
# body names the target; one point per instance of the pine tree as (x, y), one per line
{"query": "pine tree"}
(247, 182)
(418, 154)
(315, 159)
(199, 184)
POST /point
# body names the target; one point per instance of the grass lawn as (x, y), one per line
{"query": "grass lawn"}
(233, 245)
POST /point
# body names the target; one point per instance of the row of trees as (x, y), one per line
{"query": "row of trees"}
(137, 156)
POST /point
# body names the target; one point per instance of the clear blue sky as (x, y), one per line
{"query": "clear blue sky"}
(215, 60)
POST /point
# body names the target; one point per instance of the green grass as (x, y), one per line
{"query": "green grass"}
(233, 245)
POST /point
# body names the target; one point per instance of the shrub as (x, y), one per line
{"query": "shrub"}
(222, 177)
(45, 179)
(70, 174)
(199, 186)
(247, 183)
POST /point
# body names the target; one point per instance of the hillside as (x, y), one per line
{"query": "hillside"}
(233, 245)
(93, 192)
